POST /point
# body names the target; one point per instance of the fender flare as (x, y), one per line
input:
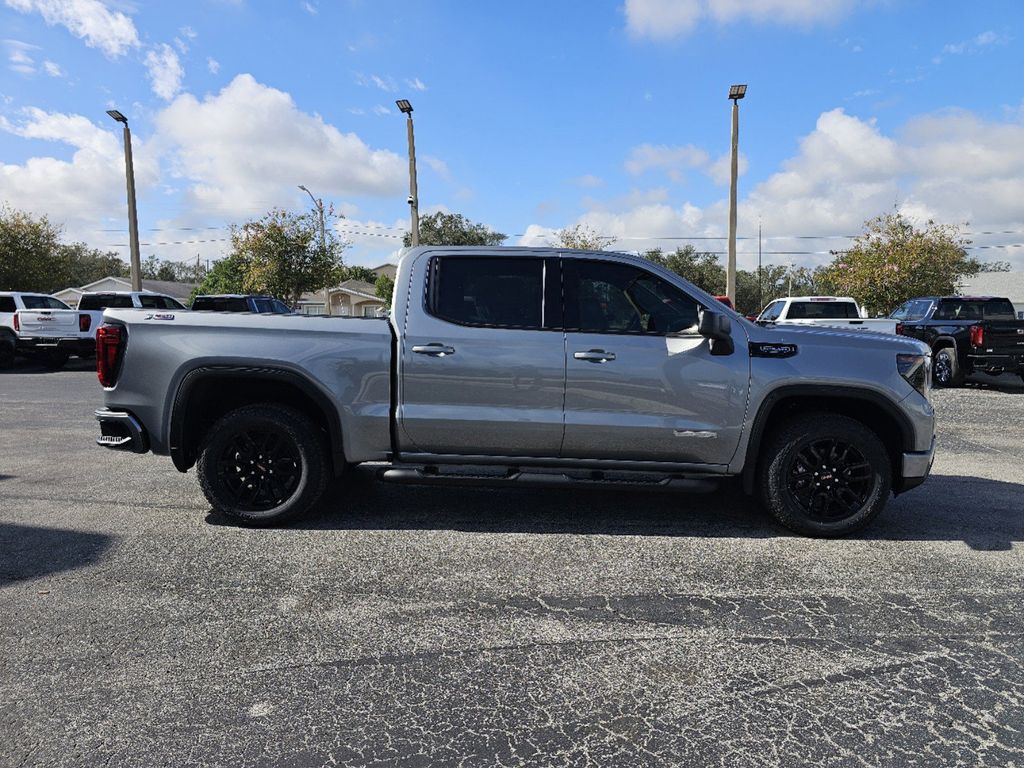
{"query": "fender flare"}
(183, 458)
(830, 392)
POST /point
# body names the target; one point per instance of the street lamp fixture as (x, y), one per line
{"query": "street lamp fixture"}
(736, 92)
(133, 214)
(414, 200)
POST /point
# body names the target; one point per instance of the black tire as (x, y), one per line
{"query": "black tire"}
(6, 354)
(855, 471)
(53, 359)
(946, 371)
(250, 444)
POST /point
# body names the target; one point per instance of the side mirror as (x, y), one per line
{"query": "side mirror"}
(718, 328)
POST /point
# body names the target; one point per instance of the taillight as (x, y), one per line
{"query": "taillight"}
(978, 335)
(899, 329)
(109, 345)
(84, 323)
(17, 323)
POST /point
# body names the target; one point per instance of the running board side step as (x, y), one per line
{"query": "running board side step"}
(597, 480)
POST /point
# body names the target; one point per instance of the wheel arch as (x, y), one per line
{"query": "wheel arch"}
(872, 409)
(207, 393)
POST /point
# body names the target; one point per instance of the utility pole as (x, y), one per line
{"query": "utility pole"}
(736, 92)
(133, 215)
(760, 281)
(319, 203)
(414, 199)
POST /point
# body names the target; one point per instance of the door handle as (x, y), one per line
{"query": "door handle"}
(434, 349)
(594, 356)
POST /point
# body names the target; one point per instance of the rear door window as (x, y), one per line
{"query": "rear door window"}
(488, 292)
(7, 304)
(158, 302)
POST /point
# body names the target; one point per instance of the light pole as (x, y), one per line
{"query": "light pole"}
(736, 92)
(319, 203)
(414, 200)
(133, 214)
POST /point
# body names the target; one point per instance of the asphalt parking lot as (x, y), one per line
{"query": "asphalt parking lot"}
(409, 626)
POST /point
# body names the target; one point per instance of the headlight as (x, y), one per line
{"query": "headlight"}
(917, 370)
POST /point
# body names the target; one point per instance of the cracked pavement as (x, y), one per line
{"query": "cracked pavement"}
(477, 627)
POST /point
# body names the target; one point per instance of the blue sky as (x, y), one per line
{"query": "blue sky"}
(530, 117)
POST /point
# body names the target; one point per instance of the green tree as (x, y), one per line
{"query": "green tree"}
(281, 255)
(227, 275)
(583, 238)
(356, 272)
(894, 261)
(29, 253)
(384, 287)
(454, 229)
(699, 267)
(80, 265)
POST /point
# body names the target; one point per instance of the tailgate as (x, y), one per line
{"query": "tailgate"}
(48, 323)
(1004, 336)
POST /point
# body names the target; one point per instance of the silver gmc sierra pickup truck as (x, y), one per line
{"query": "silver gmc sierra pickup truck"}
(523, 366)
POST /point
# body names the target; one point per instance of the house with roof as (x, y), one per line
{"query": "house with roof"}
(1008, 285)
(352, 298)
(179, 291)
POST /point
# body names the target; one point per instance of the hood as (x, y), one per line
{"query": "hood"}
(835, 337)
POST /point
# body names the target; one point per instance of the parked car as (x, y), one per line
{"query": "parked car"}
(93, 304)
(524, 366)
(830, 311)
(41, 327)
(967, 334)
(235, 302)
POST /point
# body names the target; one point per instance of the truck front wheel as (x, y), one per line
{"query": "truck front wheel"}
(825, 475)
(263, 464)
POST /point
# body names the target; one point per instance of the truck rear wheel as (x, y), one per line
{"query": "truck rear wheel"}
(946, 371)
(263, 464)
(825, 475)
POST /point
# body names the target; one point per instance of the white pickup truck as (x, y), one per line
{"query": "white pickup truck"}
(94, 304)
(825, 311)
(44, 328)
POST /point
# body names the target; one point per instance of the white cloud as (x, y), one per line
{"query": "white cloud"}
(165, 71)
(416, 84)
(976, 43)
(112, 32)
(720, 171)
(376, 81)
(213, 65)
(438, 166)
(953, 167)
(588, 181)
(79, 192)
(668, 19)
(672, 160)
(187, 32)
(52, 68)
(311, 9)
(245, 148)
(19, 57)
(380, 109)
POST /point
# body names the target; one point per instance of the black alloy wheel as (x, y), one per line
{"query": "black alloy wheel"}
(824, 474)
(829, 479)
(263, 464)
(260, 469)
(946, 368)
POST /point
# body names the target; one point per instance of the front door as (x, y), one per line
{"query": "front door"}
(641, 383)
(483, 359)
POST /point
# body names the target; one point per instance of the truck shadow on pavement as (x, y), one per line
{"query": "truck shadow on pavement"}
(29, 551)
(985, 514)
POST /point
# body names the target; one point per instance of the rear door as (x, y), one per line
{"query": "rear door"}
(641, 383)
(482, 357)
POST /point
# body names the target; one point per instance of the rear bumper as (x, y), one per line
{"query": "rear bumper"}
(72, 345)
(121, 431)
(1011, 362)
(915, 468)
